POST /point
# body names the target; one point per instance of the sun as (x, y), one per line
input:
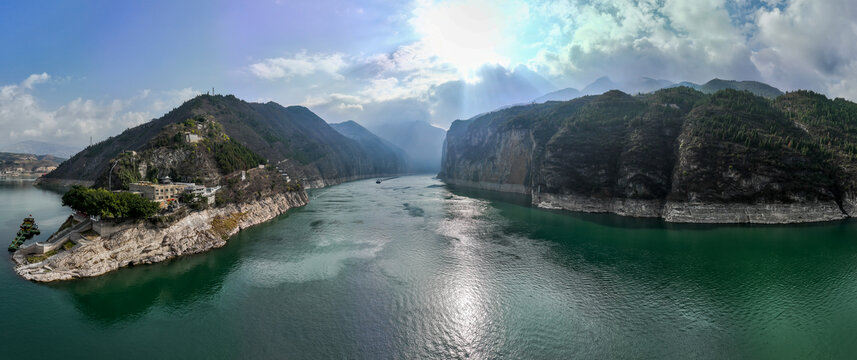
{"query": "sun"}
(465, 34)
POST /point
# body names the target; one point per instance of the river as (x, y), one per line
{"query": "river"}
(412, 269)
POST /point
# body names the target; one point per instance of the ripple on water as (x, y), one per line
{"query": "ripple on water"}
(312, 267)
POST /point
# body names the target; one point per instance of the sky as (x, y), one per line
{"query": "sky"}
(71, 70)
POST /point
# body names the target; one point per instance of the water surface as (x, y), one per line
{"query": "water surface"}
(412, 269)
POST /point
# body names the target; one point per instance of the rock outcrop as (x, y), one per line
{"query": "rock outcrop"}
(145, 243)
(676, 154)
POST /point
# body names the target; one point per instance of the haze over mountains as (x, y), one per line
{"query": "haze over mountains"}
(646, 85)
(40, 148)
(422, 143)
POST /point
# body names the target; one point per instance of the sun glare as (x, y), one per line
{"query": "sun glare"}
(466, 35)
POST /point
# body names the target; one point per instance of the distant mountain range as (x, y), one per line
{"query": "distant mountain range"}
(40, 148)
(27, 162)
(390, 155)
(647, 85)
(421, 142)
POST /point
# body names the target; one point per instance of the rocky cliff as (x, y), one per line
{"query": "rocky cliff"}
(678, 154)
(144, 243)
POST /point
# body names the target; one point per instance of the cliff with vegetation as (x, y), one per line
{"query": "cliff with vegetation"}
(678, 154)
(293, 138)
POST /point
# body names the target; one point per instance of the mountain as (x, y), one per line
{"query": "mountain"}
(559, 95)
(233, 135)
(677, 153)
(600, 86)
(422, 143)
(645, 85)
(27, 163)
(380, 150)
(755, 87)
(40, 148)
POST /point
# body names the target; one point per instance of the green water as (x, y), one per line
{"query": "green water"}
(412, 269)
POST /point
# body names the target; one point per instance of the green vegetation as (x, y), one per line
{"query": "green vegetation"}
(833, 124)
(68, 245)
(232, 156)
(127, 171)
(754, 87)
(32, 259)
(195, 202)
(678, 144)
(109, 204)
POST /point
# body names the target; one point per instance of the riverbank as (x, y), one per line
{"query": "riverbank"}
(672, 211)
(143, 242)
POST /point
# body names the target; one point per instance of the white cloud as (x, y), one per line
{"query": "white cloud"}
(473, 56)
(809, 44)
(468, 34)
(302, 64)
(627, 39)
(35, 79)
(24, 117)
(170, 99)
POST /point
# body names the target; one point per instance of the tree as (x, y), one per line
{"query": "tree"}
(109, 204)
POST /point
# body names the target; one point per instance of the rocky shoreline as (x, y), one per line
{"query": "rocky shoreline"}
(145, 243)
(677, 212)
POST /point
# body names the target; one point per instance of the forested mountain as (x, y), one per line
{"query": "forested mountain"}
(384, 153)
(677, 153)
(234, 135)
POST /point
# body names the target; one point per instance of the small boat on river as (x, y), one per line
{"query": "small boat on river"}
(28, 230)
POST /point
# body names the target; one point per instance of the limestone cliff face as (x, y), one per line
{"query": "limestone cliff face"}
(507, 166)
(145, 243)
(676, 154)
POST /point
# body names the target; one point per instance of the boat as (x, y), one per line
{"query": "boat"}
(28, 230)
(378, 181)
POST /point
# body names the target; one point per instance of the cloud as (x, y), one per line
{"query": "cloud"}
(809, 44)
(627, 39)
(467, 57)
(24, 117)
(35, 79)
(417, 95)
(170, 99)
(302, 64)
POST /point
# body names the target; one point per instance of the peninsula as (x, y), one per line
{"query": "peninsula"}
(186, 182)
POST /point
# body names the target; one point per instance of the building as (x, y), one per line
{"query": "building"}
(157, 192)
(170, 190)
(191, 138)
(204, 192)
